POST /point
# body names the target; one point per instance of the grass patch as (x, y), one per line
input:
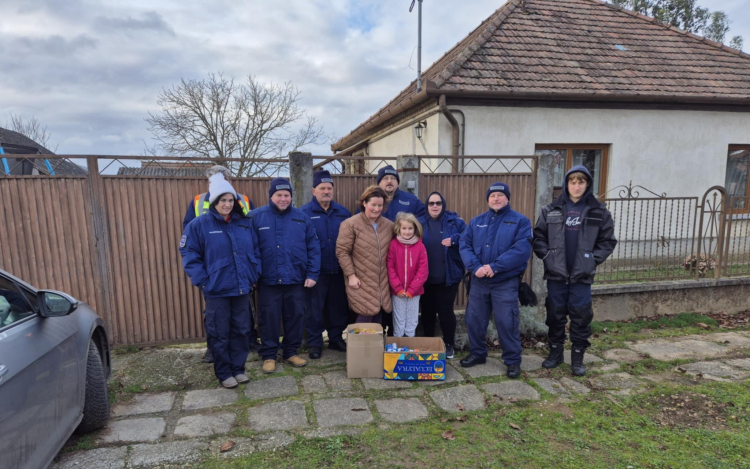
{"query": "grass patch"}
(678, 321)
(589, 432)
(128, 349)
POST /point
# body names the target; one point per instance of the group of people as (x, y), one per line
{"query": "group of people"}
(318, 268)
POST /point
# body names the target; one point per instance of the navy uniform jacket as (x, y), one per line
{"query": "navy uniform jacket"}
(452, 228)
(190, 214)
(289, 248)
(404, 202)
(327, 227)
(221, 258)
(501, 239)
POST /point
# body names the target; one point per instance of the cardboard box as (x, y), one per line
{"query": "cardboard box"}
(427, 364)
(364, 352)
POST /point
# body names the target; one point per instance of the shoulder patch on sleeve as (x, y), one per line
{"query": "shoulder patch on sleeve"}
(183, 241)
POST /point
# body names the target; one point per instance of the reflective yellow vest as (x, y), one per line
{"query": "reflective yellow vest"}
(202, 205)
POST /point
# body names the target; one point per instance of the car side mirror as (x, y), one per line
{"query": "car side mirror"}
(55, 304)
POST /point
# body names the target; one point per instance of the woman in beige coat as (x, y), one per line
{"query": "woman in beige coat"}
(362, 250)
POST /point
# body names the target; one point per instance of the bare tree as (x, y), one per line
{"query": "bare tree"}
(218, 118)
(32, 129)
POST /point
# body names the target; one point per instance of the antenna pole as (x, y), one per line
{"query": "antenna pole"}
(419, 50)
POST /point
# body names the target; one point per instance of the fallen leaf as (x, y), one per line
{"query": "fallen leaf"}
(460, 407)
(448, 435)
(461, 419)
(604, 330)
(443, 420)
(702, 325)
(515, 427)
(496, 343)
(358, 409)
(681, 369)
(226, 446)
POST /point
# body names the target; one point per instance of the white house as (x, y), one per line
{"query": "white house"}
(632, 99)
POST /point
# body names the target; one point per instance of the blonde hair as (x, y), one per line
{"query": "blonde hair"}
(403, 216)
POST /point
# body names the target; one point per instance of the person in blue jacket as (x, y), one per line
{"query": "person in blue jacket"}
(329, 308)
(201, 201)
(290, 257)
(442, 232)
(398, 200)
(495, 248)
(220, 255)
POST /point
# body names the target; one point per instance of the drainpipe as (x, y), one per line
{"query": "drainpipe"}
(5, 162)
(454, 124)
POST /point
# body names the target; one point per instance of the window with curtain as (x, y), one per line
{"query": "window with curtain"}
(737, 181)
(593, 157)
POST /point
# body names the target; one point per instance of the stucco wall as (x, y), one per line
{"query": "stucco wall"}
(681, 153)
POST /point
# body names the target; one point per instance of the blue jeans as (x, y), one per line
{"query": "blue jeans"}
(500, 300)
(228, 324)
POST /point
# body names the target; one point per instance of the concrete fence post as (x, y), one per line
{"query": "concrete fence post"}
(545, 180)
(301, 177)
(408, 173)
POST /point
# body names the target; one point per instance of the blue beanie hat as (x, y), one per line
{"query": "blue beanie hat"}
(321, 177)
(279, 184)
(388, 170)
(499, 187)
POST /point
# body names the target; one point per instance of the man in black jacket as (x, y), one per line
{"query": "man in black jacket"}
(573, 235)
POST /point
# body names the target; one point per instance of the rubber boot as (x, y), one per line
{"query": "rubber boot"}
(576, 361)
(555, 356)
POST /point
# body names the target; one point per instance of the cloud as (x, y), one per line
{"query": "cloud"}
(91, 71)
(151, 22)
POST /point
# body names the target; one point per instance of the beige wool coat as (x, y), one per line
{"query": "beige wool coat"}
(364, 253)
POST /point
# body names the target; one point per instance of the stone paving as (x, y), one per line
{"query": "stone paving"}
(152, 429)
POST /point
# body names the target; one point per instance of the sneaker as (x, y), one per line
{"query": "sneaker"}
(242, 378)
(296, 361)
(449, 351)
(269, 366)
(229, 383)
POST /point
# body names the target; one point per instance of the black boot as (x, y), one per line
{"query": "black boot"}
(576, 361)
(315, 352)
(339, 345)
(209, 356)
(514, 371)
(555, 356)
(472, 360)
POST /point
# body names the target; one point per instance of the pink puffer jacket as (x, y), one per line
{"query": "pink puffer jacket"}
(407, 267)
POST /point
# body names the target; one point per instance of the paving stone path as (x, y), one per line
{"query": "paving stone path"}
(152, 429)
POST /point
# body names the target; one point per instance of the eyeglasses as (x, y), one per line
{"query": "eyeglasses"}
(436, 204)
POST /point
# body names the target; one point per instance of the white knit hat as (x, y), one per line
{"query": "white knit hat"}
(218, 186)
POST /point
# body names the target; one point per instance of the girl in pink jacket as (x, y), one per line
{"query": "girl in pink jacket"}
(407, 272)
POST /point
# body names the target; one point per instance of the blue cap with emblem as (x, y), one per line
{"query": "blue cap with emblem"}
(322, 176)
(279, 184)
(499, 187)
(388, 170)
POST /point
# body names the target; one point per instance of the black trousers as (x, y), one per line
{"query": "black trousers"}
(569, 300)
(437, 303)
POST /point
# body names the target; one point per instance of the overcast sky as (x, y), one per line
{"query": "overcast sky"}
(91, 70)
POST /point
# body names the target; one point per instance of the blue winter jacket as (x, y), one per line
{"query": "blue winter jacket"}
(501, 239)
(220, 257)
(289, 248)
(327, 228)
(403, 202)
(453, 227)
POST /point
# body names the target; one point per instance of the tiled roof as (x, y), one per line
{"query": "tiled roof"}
(10, 137)
(548, 49)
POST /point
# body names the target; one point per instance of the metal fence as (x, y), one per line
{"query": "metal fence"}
(673, 238)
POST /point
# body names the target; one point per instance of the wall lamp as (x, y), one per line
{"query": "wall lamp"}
(419, 128)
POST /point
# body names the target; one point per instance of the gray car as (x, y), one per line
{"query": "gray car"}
(54, 367)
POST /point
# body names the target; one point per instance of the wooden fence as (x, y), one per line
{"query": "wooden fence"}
(112, 240)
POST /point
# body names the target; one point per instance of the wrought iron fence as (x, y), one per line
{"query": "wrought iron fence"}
(673, 238)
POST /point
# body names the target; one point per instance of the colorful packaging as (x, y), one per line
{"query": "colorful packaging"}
(424, 360)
